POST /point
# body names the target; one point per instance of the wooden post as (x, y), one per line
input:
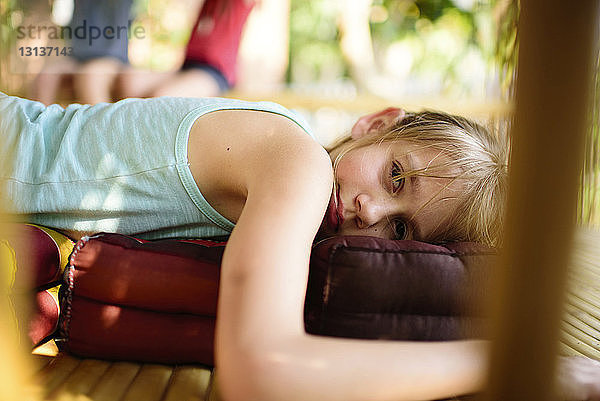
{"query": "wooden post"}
(554, 82)
(14, 365)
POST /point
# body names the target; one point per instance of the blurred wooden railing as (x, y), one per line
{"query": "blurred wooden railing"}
(554, 81)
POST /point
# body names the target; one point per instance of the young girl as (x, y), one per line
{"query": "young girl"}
(172, 167)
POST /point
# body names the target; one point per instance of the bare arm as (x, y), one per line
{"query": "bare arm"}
(262, 350)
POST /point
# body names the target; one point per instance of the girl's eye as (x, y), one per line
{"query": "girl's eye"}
(400, 230)
(397, 179)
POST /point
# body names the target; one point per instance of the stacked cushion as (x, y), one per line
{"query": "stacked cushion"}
(156, 301)
(128, 299)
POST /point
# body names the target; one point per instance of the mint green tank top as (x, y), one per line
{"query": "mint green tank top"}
(118, 167)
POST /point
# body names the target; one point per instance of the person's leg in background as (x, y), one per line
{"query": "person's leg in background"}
(93, 82)
(210, 61)
(47, 84)
(194, 81)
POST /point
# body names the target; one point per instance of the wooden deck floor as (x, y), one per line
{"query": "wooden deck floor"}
(581, 324)
(66, 378)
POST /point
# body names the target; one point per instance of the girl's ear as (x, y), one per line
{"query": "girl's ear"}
(377, 122)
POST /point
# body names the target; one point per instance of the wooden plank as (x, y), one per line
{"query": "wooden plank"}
(585, 304)
(39, 362)
(583, 320)
(57, 371)
(80, 381)
(579, 345)
(115, 382)
(189, 383)
(213, 389)
(565, 350)
(582, 335)
(150, 383)
(580, 331)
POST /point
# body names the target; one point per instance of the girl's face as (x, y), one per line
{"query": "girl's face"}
(370, 199)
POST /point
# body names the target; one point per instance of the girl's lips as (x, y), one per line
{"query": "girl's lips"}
(332, 215)
(335, 212)
(340, 209)
(335, 216)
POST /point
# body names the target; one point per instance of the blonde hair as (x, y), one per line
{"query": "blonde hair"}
(479, 157)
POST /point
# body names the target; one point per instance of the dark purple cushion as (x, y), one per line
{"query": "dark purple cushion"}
(365, 287)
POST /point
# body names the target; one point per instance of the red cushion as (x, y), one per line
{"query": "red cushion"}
(106, 331)
(156, 301)
(128, 299)
(164, 276)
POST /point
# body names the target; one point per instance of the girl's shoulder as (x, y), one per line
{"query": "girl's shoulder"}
(244, 131)
(264, 108)
(236, 150)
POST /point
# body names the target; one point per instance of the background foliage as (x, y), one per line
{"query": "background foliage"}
(429, 46)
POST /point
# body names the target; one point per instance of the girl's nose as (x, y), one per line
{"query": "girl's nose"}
(370, 211)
